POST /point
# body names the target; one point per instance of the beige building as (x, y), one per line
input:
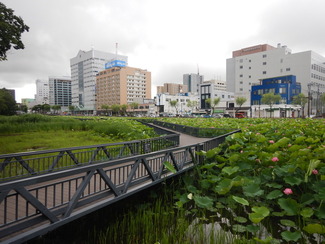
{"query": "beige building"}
(172, 88)
(122, 85)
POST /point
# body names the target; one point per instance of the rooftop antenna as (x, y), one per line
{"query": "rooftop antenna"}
(116, 47)
(92, 49)
(198, 70)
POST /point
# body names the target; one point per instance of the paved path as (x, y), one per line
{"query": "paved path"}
(185, 140)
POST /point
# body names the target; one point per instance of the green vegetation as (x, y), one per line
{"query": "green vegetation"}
(12, 27)
(268, 179)
(7, 102)
(263, 185)
(155, 220)
(39, 132)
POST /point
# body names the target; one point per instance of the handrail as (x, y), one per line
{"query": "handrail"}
(195, 131)
(17, 165)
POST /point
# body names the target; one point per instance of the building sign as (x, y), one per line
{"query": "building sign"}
(115, 63)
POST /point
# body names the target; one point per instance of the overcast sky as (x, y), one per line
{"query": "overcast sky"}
(167, 37)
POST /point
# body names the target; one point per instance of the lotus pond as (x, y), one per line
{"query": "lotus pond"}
(263, 185)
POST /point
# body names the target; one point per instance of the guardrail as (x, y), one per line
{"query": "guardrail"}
(195, 131)
(17, 165)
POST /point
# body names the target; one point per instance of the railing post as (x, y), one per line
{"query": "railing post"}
(199, 158)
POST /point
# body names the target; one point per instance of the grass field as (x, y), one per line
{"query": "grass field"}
(38, 132)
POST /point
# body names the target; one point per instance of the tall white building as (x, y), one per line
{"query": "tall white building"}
(60, 91)
(192, 81)
(42, 92)
(248, 65)
(215, 89)
(84, 68)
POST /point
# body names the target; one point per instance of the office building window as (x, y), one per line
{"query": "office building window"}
(264, 72)
(283, 90)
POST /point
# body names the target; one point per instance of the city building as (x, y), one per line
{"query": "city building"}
(12, 93)
(84, 68)
(60, 91)
(285, 86)
(120, 84)
(172, 88)
(252, 64)
(186, 103)
(42, 92)
(215, 89)
(29, 102)
(192, 81)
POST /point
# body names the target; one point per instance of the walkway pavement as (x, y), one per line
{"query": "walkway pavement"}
(185, 140)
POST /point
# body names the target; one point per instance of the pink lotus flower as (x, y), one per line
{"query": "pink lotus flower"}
(287, 191)
(241, 151)
(315, 171)
(275, 159)
(271, 141)
(289, 145)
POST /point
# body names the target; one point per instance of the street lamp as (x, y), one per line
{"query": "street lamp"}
(159, 95)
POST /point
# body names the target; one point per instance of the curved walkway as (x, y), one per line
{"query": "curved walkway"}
(184, 139)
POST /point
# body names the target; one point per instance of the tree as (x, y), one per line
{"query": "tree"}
(174, 103)
(301, 100)
(11, 28)
(213, 103)
(72, 108)
(22, 107)
(46, 108)
(134, 106)
(123, 108)
(56, 108)
(106, 108)
(270, 99)
(115, 108)
(192, 104)
(7, 103)
(240, 101)
(37, 108)
(41, 108)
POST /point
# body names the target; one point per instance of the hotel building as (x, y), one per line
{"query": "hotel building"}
(120, 84)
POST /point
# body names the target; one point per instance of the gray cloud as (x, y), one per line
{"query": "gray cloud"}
(168, 38)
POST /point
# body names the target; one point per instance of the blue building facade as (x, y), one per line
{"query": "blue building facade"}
(285, 86)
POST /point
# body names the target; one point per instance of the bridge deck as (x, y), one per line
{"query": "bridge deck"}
(185, 140)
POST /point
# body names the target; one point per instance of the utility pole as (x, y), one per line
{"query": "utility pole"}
(309, 98)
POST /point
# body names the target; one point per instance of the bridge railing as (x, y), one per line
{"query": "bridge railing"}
(25, 164)
(53, 199)
(195, 131)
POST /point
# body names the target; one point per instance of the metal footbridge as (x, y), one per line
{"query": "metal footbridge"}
(41, 191)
